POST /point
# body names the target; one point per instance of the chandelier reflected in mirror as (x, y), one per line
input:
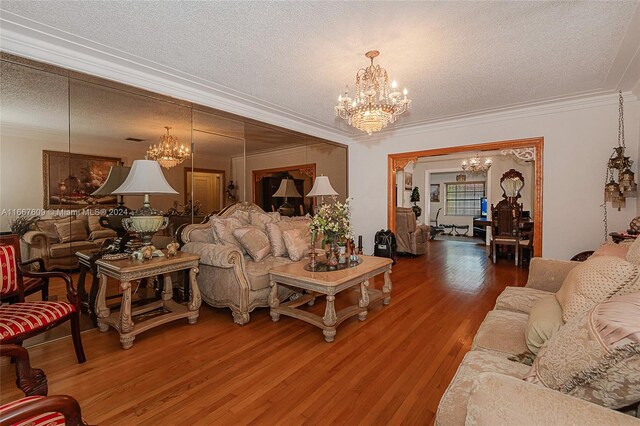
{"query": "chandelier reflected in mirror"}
(475, 165)
(167, 152)
(375, 103)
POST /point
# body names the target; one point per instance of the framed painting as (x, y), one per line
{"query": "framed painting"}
(69, 179)
(434, 196)
(408, 181)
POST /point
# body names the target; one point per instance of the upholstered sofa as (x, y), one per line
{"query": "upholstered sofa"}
(494, 384)
(227, 276)
(411, 237)
(56, 239)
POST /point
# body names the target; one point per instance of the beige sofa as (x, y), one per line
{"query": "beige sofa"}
(489, 389)
(57, 239)
(227, 277)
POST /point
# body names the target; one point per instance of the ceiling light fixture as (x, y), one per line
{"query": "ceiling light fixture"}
(474, 165)
(167, 152)
(375, 103)
(616, 190)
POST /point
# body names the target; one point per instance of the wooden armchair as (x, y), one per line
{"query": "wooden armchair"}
(31, 381)
(56, 410)
(30, 285)
(19, 321)
(505, 226)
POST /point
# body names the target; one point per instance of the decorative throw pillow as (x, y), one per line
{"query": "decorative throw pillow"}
(48, 228)
(545, 318)
(633, 254)
(295, 243)
(71, 230)
(223, 229)
(595, 356)
(260, 220)
(596, 280)
(274, 231)
(254, 241)
(242, 216)
(94, 223)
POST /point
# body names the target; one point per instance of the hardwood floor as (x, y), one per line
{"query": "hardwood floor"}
(391, 368)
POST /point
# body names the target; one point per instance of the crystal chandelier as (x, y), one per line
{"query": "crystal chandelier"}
(167, 152)
(619, 166)
(375, 104)
(474, 165)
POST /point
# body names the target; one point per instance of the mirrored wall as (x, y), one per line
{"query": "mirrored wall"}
(62, 130)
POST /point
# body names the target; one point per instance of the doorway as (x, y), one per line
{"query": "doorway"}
(208, 188)
(535, 146)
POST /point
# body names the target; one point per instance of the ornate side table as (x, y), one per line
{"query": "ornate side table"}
(130, 272)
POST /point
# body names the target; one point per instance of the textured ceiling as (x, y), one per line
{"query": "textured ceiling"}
(456, 58)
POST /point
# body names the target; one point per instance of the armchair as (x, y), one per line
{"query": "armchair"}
(56, 410)
(19, 321)
(30, 285)
(412, 238)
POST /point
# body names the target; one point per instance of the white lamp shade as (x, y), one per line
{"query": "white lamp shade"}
(287, 189)
(322, 187)
(117, 175)
(145, 177)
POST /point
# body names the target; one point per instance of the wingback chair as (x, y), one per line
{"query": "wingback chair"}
(411, 237)
(505, 226)
(19, 321)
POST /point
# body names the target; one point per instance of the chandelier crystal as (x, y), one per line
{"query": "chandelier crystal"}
(474, 165)
(376, 103)
(620, 180)
(167, 152)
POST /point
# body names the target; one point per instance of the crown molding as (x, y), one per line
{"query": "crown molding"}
(501, 115)
(27, 38)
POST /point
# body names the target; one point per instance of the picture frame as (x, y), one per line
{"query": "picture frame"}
(69, 179)
(408, 181)
(434, 193)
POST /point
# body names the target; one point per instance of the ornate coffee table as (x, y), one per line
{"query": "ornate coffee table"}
(129, 271)
(329, 284)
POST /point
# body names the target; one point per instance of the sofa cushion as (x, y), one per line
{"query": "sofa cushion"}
(633, 253)
(242, 216)
(274, 231)
(294, 241)
(452, 409)
(595, 356)
(254, 241)
(223, 228)
(93, 221)
(544, 320)
(260, 220)
(502, 331)
(71, 230)
(519, 299)
(618, 250)
(596, 280)
(102, 234)
(48, 228)
(258, 272)
(60, 250)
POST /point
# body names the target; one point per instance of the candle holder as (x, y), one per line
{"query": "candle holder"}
(313, 258)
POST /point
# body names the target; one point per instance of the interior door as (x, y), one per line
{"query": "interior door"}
(208, 187)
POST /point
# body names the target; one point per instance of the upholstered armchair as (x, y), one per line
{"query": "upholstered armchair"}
(228, 278)
(411, 237)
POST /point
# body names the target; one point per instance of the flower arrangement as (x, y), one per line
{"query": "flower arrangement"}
(333, 221)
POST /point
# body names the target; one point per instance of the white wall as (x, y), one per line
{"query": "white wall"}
(578, 139)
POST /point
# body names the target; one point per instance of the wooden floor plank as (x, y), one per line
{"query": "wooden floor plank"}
(390, 369)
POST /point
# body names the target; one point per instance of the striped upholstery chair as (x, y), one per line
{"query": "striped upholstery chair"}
(19, 321)
(42, 411)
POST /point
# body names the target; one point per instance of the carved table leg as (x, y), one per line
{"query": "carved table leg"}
(167, 291)
(386, 288)
(82, 292)
(126, 323)
(274, 301)
(329, 319)
(195, 300)
(102, 311)
(364, 299)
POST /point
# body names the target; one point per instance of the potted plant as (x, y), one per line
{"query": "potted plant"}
(415, 198)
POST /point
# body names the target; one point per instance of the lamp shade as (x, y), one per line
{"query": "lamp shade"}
(145, 177)
(322, 187)
(287, 189)
(117, 175)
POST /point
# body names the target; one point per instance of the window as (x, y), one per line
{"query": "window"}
(463, 198)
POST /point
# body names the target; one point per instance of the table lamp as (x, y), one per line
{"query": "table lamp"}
(321, 188)
(113, 219)
(287, 189)
(145, 178)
